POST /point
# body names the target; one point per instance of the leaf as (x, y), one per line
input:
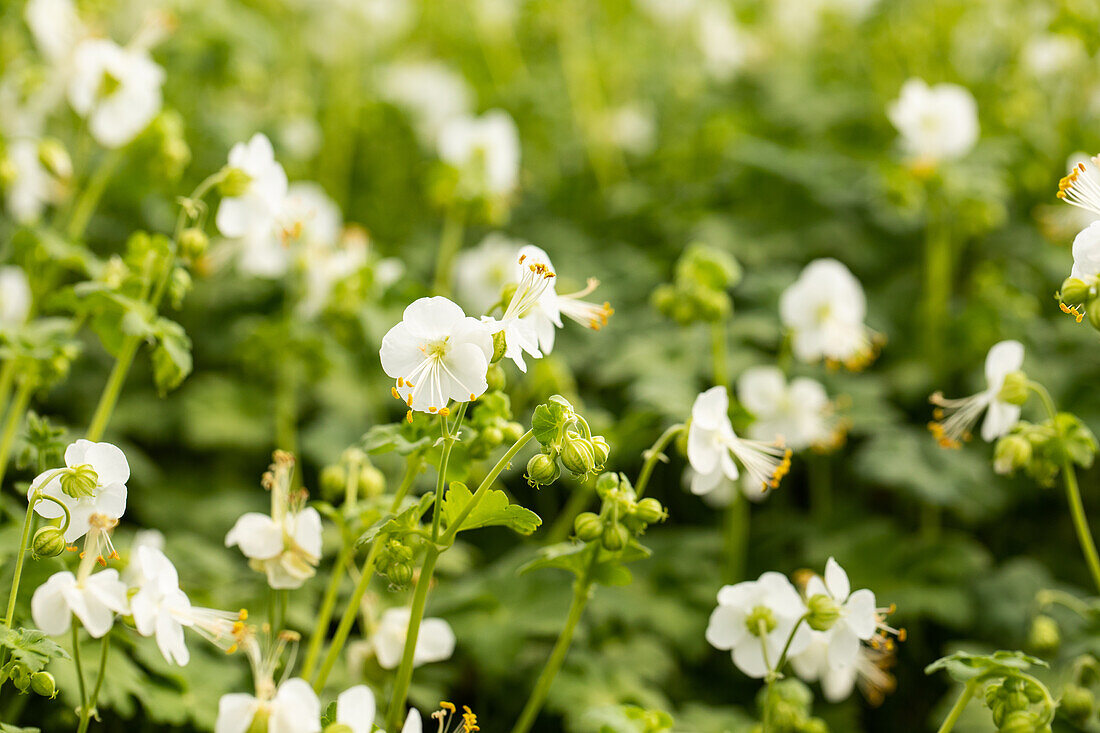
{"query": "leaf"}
(549, 418)
(30, 647)
(387, 438)
(494, 510)
(564, 555)
(172, 356)
(6, 728)
(406, 520)
(964, 666)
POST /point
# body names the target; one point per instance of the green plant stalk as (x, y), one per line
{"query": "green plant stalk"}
(775, 673)
(11, 424)
(7, 381)
(938, 268)
(582, 592)
(79, 672)
(452, 530)
(92, 193)
(28, 524)
(653, 455)
(340, 638)
(324, 615)
(87, 710)
(578, 500)
(450, 242)
(718, 352)
(111, 391)
(821, 488)
(957, 709)
(441, 478)
(735, 536)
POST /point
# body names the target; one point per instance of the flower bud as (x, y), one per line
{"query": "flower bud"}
(587, 526)
(372, 482)
(193, 243)
(606, 483)
(20, 677)
(79, 482)
(615, 537)
(43, 684)
(542, 470)
(1011, 453)
(400, 574)
(1044, 636)
(1074, 291)
(493, 435)
(1021, 721)
(1077, 703)
(1017, 700)
(1014, 389)
(55, 158)
(602, 451)
(500, 345)
(234, 182)
(333, 480)
(824, 612)
(513, 431)
(48, 542)
(577, 454)
(495, 376)
(649, 510)
(338, 728)
(1093, 311)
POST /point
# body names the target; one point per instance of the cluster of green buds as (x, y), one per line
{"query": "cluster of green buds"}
(395, 561)
(699, 288)
(170, 153)
(43, 442)
(490, 422)
(622, 516)
(1078, 703)
(1078, 298)
(565, 436)
(1013, 702)
(788, 705)
(1042, 449)
(40, 682)
(352, 477)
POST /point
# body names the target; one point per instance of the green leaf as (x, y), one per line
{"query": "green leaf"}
(564, 555)
(6, 728)
(494, 510)
(30, 647)
(406, 520)
(172, 356)
(387, 438)
(549, 418)
(964, 666)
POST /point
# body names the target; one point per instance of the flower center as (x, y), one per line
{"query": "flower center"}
(436, 349)
(761, 621)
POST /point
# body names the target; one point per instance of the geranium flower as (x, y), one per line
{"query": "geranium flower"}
(15, 297)
(936, 123)
(837, 683)
(253, 211)
(955, 418)
(356, 707)
(712, 447)
(56, 28)
(800, 412)
(824, 310)
(292, 708)
(481, 272)
(485, 150)
(32, 188)
(436, 354)
(430, 92)
(116, 89)
(520, 334)
(93, 482)
(857, 617)
(434, 643)
(754, 619)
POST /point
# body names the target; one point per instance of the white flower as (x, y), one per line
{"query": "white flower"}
(812, 665)
(1081, 188)
(355, 708)
(1086, 254)
(799, 412)
(936, 123)
(15, 297)
(287, 549)
(95, 600)
(305, 216)
(754, 620)
(32, 187)
(858, 617)
(824, 310)
(254, 211)
(56, 28)
(159, 607)
(521, 334)
(481, 272)
(430, 92)
(723, 43)
(668, 11)
(712, 446)
(94, 482)
(294, 708)
(436, 354)
(485, 150)
(1052, 53)
(955, 418)
(435, 642)
(630, 127)
(117, 89)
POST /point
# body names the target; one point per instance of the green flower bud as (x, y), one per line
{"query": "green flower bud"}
(1075, 291)
(601, 450)
(542, 470)
(615, 537)
(55, 158)
(20, 677)
(1077, 703)
(1044, 636)
(400, 574)
(193, 243)
(1017, 700)
(80, 481)
(577, 454)
(1014, 390)
(761, 621)
(234, 182)
(43, 684)
(606, 483)
(513, 431)
(814, 725)
(337, 728)
(824, 613)
(649, 510)
(1093, 311)
(48, 542)
(500, 345)
(372, 482)
(493, 435)
(1021, 721)
(587, 526)
(1011, 453)
(495, 376)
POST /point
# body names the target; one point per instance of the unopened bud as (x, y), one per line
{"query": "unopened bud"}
(1021, 721)
(615, 537)
(513, 431)
(649, 510)
(577, 454)
(1077, 703)
(193, 243)
(500, 345)
(1075, 291)
(1044, 636)
(1014, 389)
(495, 376)
(824, 612)
(542, 470)
(400, 574)
(1093, 311)
(80, 481)
(1011, 453)
(492, 435)
(587, 526)
(48, 542)
(234, 182)
(606, 483)
(43, 684)
(338, 728)
(602, 451)
(20, 677)
(55, 158)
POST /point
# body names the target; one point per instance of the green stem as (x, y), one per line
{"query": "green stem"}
(109, 398)
(28, 524)
(12, 423)
(821, 489)
(89, 709)
(957, 709)
(7, 381)
(452, 529)
(582, 592)
(79, 672)
(937, 283)
(450, 242)
(441, 479)
(653, 455)
(735, 537)
(324, 616)
(396, 710)
(718, 353)
(92, 193)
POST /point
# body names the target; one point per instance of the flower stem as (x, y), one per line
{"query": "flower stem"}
(452, 530)
(7, 381)
(92, 193)
(653, 455)
(11, 424)
(109, 398)
(28, 524)
(957, 709)
(735, 537)
(450, 242)
(937, 282)
(79, 672)
(582, 592)
(324, 615)
(396, 710)
(718, 351)
(87, 710)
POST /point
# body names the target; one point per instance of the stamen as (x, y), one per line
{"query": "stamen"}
(1080, 188)
(1072, 310)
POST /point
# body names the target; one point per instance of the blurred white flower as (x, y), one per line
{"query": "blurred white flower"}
(668, 11)
(436, 354)
(857, 617)
(116, 89)
(754, 620)
(306, 222)
(837, 683)
(799, 412)
(630, 127)
(254, 211)
(95, 600)
(481, 272)
(435, 642)
(1052, 53)
(56, 28)
(15, 297)
(936, 123)
(1086, 253)
(356, 708)
(712, 447)
(31, 187)
(520, 334)
(92, 483)
(954, 419)
(486, 152)
(724, 44)
(430, 92)
(292, 708)
(824, 310)
(158, 606)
